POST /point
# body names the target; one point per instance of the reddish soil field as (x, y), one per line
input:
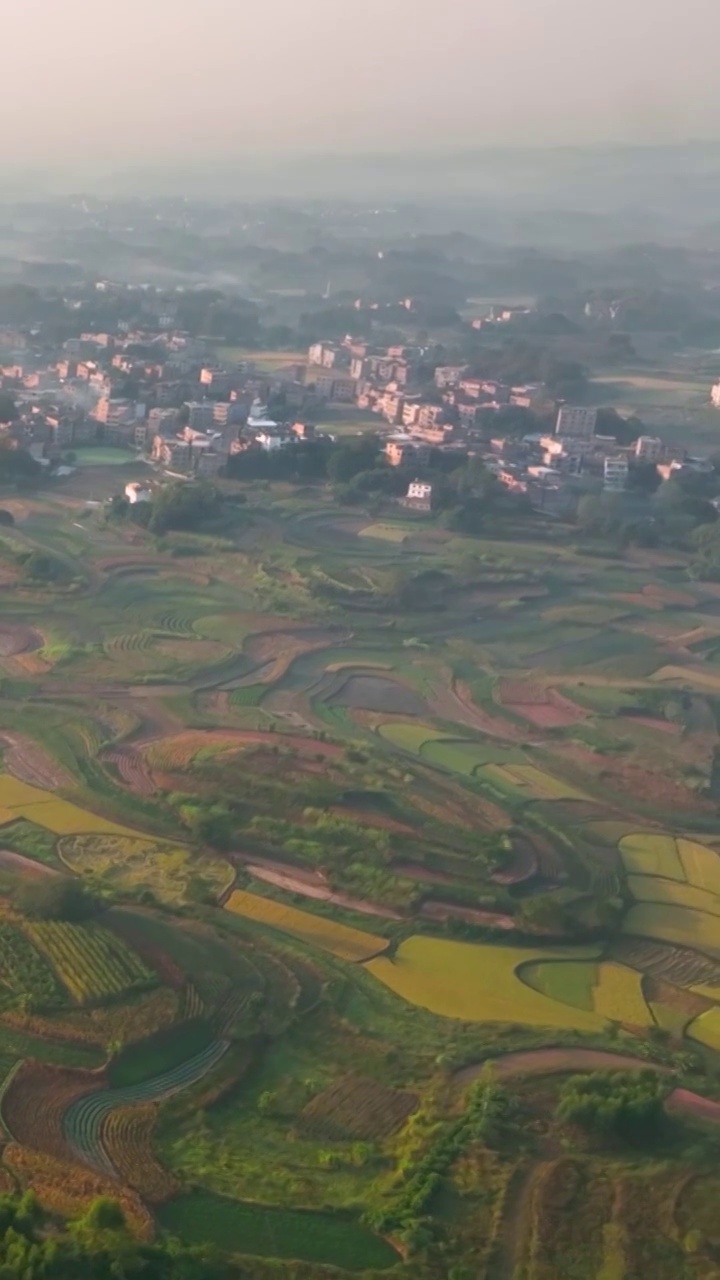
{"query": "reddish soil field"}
(32, 764)
(670, 597)
(456, 704)
(26, 866)
(653, 788)
(132, 769)
(544, 715)
(16, 639)
(637, 597)
(469, 915)
(294, 882)
(689, 1103)
(376, 820)
(36, 1100)
(544, 708)
(522, 864)
(651, 722)
(185, 745)
(523, 691)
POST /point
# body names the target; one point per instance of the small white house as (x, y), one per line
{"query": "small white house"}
(135, 492)
(419, 496)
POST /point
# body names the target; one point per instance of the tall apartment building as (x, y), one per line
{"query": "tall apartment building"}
(201, 414)
(575, 420)
(114, 413)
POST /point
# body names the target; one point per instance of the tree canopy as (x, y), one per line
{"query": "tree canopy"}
(617, 1104)
(56, 898)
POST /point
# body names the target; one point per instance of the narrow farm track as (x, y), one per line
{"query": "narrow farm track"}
(546, 1062)
(83, 1120)
(508, 1246)
(536, 1062)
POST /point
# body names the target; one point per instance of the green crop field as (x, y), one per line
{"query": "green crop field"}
(648, 854)
(683, 926)
(464, 757)
(276, 1233)
(96, 456)
(569, 981)
(654, 889)
(358, 804)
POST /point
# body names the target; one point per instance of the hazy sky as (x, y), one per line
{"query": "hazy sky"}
(147, 79)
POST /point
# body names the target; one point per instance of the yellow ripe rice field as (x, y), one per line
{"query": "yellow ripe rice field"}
(681, 925)
(706, 1029)
(339, 939)
(706, 989)
(544, 784)
(618, 995)
(386, 532)
(409, 736)
(479, 983)
(696, 677)
(670, 1019)
(700, 864)
(655, 889)
(46, 810)
(650, 853)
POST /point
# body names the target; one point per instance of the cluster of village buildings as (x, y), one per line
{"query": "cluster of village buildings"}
(159, 392)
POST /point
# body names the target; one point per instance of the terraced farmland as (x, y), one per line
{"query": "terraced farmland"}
(513, 761)
(85, 1119)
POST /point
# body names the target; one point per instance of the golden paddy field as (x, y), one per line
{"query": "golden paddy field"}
(20, 800)
(479, 983)
(339, 939)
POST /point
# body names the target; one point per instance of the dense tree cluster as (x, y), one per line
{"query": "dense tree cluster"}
(407, 1219)
(618, 1104)
(96, 1246)
(184, 506)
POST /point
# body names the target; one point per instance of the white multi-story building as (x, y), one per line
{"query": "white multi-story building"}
(649, 449)
(714, 394)
(418, 496)
(615, 474)
(576, 420)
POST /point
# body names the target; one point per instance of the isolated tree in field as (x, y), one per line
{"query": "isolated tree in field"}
(56, 898)
(184, 506)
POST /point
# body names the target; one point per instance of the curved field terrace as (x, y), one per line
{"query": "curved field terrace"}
(353, 806)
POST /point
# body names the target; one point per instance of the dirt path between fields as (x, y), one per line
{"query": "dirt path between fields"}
(539, 1062)
(294, 882)
(508, 1246)
(683, 1102)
